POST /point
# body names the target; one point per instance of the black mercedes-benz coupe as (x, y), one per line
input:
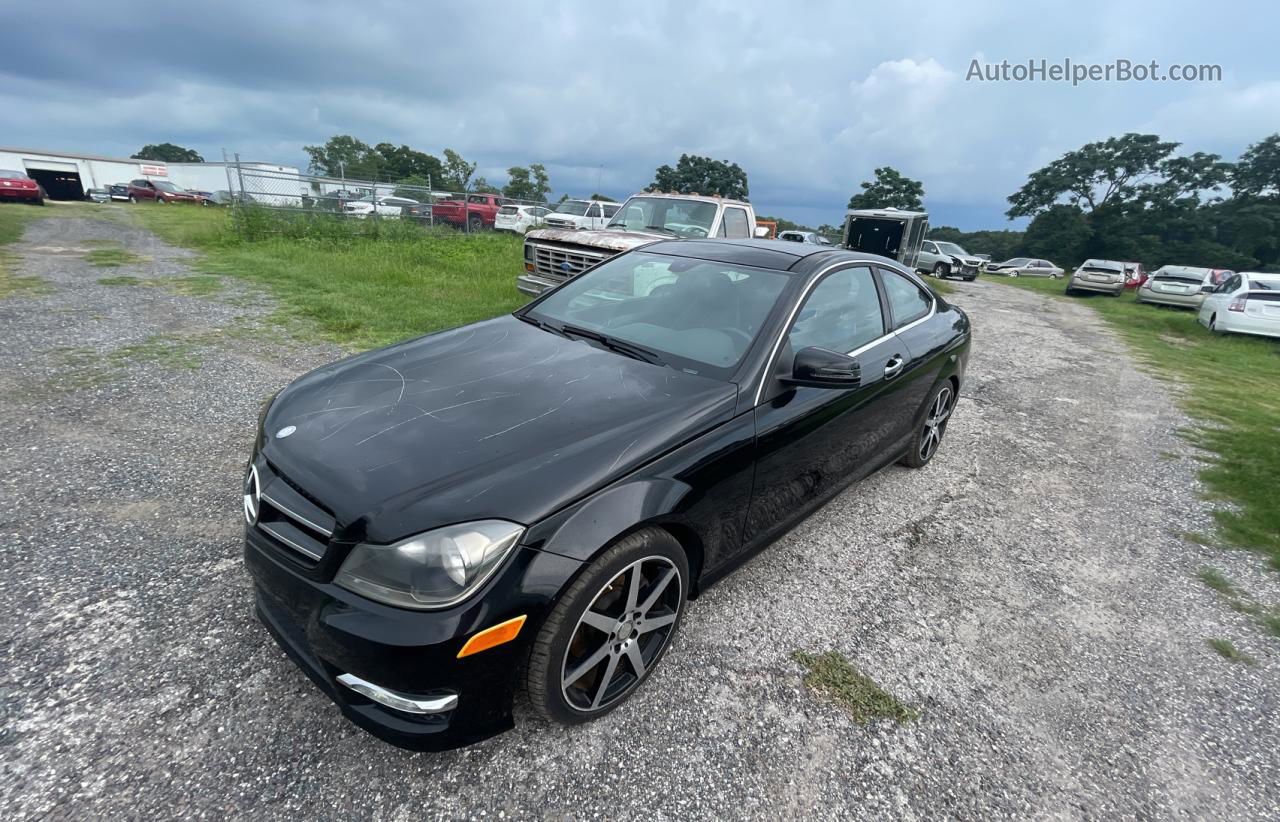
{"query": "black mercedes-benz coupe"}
(528, 502)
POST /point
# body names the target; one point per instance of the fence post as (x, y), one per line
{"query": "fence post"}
(240, 174)
(226, 167)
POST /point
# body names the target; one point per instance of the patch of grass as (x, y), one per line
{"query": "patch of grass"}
(1215, 580)
(1232, 383)
(111, 257)
(13, 220)
(834, 676)
(122, 280)
(168, 352)
(199, 285)
(363, 291)
(1228, 651)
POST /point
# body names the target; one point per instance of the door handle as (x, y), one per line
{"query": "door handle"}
(894, 366)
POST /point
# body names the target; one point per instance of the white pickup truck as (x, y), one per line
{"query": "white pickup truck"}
(581, 214)
(553, 255)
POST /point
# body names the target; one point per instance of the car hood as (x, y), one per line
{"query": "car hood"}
(599, 238)
(498, 419)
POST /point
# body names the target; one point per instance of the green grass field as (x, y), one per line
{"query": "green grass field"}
(1230, 383)
(360, 291)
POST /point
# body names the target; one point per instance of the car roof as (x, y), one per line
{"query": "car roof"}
(780, 255)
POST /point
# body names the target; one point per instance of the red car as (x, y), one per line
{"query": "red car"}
(1135, 275)
(161, 191)
(15, 185)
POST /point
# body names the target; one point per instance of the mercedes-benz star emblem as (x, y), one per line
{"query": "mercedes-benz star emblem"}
(252, 494)
(286, 431)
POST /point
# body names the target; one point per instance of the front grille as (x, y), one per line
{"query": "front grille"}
(558, 262)
(560, 222)
(290, 520)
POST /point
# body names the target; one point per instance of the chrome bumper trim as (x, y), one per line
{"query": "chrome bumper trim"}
(398, 701)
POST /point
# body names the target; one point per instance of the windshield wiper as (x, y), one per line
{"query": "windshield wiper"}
(628, 349)
(661, 228)
(543, 324)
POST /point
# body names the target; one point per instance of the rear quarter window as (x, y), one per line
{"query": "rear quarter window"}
(907, 301)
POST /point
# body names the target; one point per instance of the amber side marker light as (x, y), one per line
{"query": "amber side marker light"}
(528, 266)
(491, 637)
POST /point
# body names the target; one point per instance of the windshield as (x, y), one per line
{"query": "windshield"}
(952, 248)
(678, 218)
(11, 175)
(166, 186)
(697, 315)
(576, 208)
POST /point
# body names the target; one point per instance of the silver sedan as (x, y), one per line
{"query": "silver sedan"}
(1024, 267)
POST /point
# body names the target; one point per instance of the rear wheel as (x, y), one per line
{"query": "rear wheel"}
(941, 270)
(929, 433)
(610, 629)
(475, 223)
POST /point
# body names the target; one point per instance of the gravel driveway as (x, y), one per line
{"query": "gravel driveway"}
(1029, 592)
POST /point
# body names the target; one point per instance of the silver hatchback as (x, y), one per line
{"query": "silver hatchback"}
(1179, 285)
(1105, 276)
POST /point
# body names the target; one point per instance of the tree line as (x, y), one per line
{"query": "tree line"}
(1133, 198)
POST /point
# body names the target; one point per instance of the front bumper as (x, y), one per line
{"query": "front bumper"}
(330, 632)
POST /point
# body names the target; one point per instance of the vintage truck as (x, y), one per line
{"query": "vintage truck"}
(475, 213)
(553, 255)
(888, 232)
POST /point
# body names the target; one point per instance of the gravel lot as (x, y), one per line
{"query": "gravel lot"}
(1028, 592)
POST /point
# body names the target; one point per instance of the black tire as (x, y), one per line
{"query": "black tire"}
(971, 279)
(941, 270)
(564, 633)
(38, 201)
(475, 224)
(923, 447)
(133, 200)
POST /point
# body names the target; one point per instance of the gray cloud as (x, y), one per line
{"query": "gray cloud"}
(809, 99)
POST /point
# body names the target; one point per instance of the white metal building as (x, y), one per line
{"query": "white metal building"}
(66, 175)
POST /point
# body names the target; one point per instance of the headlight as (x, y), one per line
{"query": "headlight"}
(431, 570)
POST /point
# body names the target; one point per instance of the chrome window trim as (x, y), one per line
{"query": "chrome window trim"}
(771, 361)
(291, 514)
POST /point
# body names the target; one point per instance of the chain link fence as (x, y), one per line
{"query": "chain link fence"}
(266, 199)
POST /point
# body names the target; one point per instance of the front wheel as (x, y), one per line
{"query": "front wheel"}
(929, 433)
(941, 270)
(475, 224)
(133, 199)
(610, 629)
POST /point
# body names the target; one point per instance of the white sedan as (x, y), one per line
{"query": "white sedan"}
(519, 218)
(1247, 303)
(385, 206)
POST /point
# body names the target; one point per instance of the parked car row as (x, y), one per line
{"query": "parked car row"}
(1225, 301)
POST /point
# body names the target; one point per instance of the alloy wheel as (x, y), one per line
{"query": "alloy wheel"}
(935, 425)
(621, 634)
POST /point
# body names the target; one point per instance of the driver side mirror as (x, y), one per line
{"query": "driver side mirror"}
(820, 368)
(762, 231)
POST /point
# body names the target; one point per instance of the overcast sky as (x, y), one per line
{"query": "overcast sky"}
(808, 99)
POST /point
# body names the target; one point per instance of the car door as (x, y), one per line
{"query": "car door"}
(928, 256)
(911, 309)
(811, 442)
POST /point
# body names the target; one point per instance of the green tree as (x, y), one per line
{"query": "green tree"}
(457, 171)
(889, 190)
(702, 175)
(342, 155)
(1093, 176)
(601, 197)
(1060, 233)
(481, 186)
(784, 224)
(1257, 173)
(168, 153)
(530, 183)
(412, 187)
(399, 162)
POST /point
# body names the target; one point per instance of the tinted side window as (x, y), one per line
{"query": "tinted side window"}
(929, 247)
(610, 210)
(735, 224)
(907, 301)
(842, 313)
(594, 211)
